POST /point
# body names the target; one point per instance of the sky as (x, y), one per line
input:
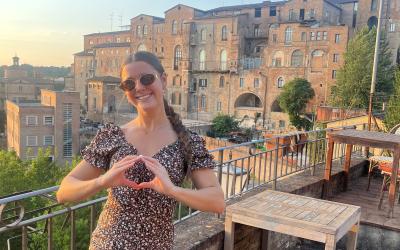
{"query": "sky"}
(49, 32)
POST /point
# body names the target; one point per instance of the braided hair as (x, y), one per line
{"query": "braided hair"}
(176, 122)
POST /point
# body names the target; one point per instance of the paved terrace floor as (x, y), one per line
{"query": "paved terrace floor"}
(368, 201)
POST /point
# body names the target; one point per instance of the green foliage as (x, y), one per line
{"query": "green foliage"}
(293, 100)
(392, 116)
(223, 124)
(354, 78)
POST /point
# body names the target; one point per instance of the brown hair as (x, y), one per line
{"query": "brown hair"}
(176, 122)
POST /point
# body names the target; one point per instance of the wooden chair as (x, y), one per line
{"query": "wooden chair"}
(386, 170)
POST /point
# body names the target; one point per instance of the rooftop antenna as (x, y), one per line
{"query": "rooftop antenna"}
(120, 21)
(111, 20)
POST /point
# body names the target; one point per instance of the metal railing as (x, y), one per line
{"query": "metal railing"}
(240, 168)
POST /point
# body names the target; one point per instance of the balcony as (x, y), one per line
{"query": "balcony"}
(293, 163)
(197, 66)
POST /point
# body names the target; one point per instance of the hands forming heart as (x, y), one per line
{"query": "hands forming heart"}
(116, 175)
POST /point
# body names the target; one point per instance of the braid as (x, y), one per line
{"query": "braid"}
(182, 132)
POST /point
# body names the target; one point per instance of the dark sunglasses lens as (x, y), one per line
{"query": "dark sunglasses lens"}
(128, 84)
(147, 79)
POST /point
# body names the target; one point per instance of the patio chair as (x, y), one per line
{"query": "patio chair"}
(377, 160)
(386, 170)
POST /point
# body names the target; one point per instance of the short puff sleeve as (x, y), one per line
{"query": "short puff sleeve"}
(201, 158)
(100, 150)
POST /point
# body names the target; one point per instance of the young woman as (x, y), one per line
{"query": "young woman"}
(143, 164)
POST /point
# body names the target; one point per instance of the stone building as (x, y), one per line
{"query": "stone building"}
(51, 123)
(235, 59)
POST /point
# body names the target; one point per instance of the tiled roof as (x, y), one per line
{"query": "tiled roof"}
(112, 45)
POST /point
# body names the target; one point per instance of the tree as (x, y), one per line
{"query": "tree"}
(293, 100)
(392, 116)
(354, 78)
(223, 124)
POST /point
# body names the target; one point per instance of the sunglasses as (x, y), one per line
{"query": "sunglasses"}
(130, 83)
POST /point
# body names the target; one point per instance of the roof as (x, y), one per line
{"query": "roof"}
(332, 4)
(109, 79)
(112, 45)
(187, 6)
(108, 33)
(84, 53)
(155, 18)
(237, 7)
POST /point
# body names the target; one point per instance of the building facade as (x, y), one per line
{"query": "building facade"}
(235, 59)
(51, 123)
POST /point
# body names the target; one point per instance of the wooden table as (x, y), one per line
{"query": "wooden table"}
(300, 216)
(365, 138)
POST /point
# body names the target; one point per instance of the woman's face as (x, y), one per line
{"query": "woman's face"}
(144, 97)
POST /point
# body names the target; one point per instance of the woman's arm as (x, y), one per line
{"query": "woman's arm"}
(85, 180)
(208, 196)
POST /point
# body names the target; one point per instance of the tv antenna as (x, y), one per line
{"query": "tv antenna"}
(120, 21)
(111, 20)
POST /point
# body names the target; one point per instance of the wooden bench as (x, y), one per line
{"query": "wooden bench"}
(300, 216)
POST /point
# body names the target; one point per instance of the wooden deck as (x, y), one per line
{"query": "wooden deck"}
(368, 201)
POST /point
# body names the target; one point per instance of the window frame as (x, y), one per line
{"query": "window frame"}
(44, 120)
(31, 136)
(31, 116)
(52, 140)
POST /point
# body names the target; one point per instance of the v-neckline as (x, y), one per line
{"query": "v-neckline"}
(135, 148)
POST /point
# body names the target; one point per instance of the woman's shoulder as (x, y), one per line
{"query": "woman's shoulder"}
(109, 129)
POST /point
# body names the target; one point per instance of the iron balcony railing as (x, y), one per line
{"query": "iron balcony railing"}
(240, 168)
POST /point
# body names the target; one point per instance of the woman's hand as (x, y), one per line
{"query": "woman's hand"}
(115, 176)
(161, 182)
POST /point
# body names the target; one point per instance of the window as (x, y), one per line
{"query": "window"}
(274, 38)
(324, 35)
(333, 74)
(277, 59)
(373, 5)
(202, 56)
(280, 82)
(128, 39)
(301, 17)
(203, 35)
(139, 31)
(219, 105)
(224, 33)
(288, 35)
(241, 82)
(48, 120)
(337, 38)
(257, 12)
(281, 123)
(90, 42)
(297, 58)
(257, 30)
(392, 27)
(336, 58)
(48, 140)
(142, 47)
(177, 57)
(291, 15)
(223, 60)
(303, 36)
(221, 81)
(67, 130)
(203, 102)
(174, 27)
(312, 14)
(319, 35)
(202, 82)
(31, 120)
(272, 11)
(31, 140)
(312, 36)
(257, 49)
(256, 82)
(145, 30)
(118, 39)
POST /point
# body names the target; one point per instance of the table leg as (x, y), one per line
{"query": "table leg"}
(352, 237)
(393, 181)
(328, 166)
(229, 233)
(266, 240)
(330, 243)
(347, 161)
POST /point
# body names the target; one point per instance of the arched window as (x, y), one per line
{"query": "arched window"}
(224, 33)
(139, 31)
(145, 30)
(288, 35)
(177, 56)
(280, 82)
(223, 60)
(317, 60)
(277, 59)
(141, 47)
(203, 34)
(221, 81)
(174, 27)
(202, 56)
(297, 58)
